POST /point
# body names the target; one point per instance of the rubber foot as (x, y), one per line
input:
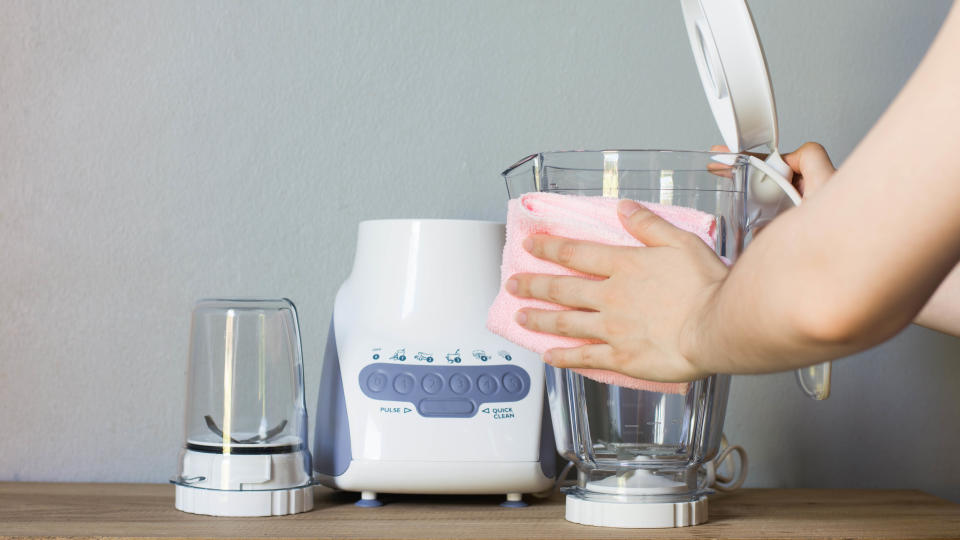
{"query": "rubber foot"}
(368, 503)
(513, 504)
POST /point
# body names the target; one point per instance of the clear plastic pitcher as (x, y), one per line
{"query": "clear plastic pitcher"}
(632, 446)
(245, 452)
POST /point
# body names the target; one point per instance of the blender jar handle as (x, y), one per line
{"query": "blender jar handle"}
(813, 380)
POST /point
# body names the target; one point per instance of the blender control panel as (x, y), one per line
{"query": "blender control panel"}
(444, 391)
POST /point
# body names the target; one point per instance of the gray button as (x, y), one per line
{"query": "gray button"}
(446, 407)
(431, 383)
(377, 381)
(459, 383)
(451, 385)
(512, 383)
(404, 383)
(486, 384)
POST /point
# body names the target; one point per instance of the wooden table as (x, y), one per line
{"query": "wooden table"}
(146, 510)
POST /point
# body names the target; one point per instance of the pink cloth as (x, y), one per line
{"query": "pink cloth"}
(592, 219)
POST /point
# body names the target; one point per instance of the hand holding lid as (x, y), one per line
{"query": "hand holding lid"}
(735, 79)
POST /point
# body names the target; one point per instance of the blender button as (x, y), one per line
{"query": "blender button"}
(486, 384)
(460, 407)
(459, 383)
(404, 383)
(512, 383)
(431, 383)
(377, 381)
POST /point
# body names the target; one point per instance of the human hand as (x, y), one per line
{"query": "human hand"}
(639, 316)
(810, 163)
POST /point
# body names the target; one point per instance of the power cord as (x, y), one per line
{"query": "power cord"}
(716, 479)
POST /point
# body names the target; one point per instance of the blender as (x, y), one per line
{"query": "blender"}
(638, 453)
(416, 395)
(245, 450)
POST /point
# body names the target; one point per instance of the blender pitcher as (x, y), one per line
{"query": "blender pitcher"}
(638, 452)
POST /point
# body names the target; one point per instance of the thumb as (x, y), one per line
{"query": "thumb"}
(646, 226)
(813, 164)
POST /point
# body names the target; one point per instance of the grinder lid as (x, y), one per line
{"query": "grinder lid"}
(733, 72)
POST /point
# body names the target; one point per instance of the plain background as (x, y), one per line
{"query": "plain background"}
(153, 153)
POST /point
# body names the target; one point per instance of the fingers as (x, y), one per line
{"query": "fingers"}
(811, 157)
(648, 227)
(564, 290)
(569, 323)
(596, 356)
(586, 257)
(723, 148)
(717, 168)
(813, 164)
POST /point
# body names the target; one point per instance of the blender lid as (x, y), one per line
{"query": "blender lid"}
(733, 71)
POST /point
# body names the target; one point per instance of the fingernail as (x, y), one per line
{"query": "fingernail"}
(546, 357)
(528, 244)
(521, 318)
(512, 286)
(627, 208)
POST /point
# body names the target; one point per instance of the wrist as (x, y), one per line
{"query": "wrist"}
(697, 333)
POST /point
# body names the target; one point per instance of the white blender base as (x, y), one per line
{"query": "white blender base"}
(440, 477)
(637, 515)
(274, 502)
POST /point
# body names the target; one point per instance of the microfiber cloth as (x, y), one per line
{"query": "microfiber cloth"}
(593, 219)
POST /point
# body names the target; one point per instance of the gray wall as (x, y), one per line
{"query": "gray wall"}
(153, 153)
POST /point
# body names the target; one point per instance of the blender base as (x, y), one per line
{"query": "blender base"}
(636, 515)
(273, 502)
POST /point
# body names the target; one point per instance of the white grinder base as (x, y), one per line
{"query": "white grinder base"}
(274, 502)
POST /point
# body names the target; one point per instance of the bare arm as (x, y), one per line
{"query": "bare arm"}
(855, 264)
(846, 270)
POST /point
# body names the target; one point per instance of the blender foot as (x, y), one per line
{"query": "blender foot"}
(514, 500)
(368, 499)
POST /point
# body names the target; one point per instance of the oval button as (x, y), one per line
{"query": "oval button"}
(486, 384)
(431, 383)
(459, 383)
(404, 383)
(512, 383)
(459, 407)
(377, 381)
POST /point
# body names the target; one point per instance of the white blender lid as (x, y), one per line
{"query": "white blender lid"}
(733, 71)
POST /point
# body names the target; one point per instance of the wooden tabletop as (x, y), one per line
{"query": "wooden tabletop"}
(146, 510)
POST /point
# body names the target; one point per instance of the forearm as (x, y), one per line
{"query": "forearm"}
(857, 262)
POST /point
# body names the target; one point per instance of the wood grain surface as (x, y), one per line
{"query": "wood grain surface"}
(146, 510)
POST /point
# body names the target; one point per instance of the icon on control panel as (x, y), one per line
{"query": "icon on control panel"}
(480, 355)
(424, 357)
(506, 356)
(400, 355)
(454, 357)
